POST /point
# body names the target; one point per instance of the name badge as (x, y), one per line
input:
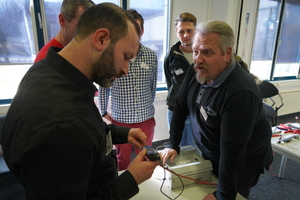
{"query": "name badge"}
(109, 145)
(144, 66)
(204, 114)
(179, 71)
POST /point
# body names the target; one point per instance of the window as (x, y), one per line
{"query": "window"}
(154, 15)
(17, 50)
(20, 36)
(276, 50)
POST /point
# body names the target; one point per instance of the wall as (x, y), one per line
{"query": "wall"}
(225, 10)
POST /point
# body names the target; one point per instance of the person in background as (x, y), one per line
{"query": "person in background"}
(177, 62)
(70, 12)
(244, 65)
(267, 108)
(57, 144)
(132, 97)
(225, 106)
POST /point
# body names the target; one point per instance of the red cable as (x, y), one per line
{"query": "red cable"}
(198, 181)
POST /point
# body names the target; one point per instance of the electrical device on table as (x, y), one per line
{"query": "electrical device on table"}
(188, 163)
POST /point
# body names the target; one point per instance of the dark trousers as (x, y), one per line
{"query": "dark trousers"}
(245, 183)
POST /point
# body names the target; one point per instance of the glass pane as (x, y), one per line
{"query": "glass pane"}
(16, 44)
(111, 1)
(16, 37)
(154, 15)
(52, 10)
(287, 64)
(263, 48)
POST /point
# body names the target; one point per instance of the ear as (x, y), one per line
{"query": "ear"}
(142, 32)
(228, 54)
(61, 20)
(101, 39)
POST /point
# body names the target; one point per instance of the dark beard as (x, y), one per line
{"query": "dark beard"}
(104, 68)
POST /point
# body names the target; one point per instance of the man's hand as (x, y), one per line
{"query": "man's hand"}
(137, 138)
(167, 154)
(210, 197)
(140, 169)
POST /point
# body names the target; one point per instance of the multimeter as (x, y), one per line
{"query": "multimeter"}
(151, 153)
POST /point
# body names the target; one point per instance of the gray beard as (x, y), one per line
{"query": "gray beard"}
(201, 80)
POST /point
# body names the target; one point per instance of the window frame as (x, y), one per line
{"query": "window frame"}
(40, 34)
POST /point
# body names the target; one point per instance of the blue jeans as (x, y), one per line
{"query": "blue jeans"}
(187, 135)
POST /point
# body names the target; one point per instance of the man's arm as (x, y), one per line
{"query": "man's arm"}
(168, 74)
(154, 77)
(236, 127)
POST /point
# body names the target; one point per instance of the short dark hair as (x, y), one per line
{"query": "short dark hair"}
(105, 15)
(186, 17)
(137, 16)
(69, 7)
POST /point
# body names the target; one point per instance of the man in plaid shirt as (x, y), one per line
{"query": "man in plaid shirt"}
(132, 97)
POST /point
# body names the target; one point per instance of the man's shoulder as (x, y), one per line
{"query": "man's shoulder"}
(147, 49)
(44, 50)
(175, 51)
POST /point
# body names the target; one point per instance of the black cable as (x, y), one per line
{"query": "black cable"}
(164, 181)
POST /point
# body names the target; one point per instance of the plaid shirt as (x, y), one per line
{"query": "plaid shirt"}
(132, 96)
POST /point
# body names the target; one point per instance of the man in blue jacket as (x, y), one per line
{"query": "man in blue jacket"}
(225, 107)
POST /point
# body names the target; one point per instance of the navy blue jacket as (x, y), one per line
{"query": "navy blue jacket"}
(229, 125)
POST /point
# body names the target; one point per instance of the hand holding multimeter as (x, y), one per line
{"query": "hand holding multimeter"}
(151, 153)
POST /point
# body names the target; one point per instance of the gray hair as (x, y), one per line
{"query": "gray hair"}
(69, 7)
(221, 28)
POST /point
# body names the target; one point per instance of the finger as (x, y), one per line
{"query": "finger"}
(143, 139)
(173, 157)
(140, 157)
(165, 159)
(134, 142)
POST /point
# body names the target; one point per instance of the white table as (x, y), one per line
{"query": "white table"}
(150, 190)
(287, 150)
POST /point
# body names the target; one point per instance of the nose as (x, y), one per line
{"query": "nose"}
(186, 34)
(197, 58)
(125, 68)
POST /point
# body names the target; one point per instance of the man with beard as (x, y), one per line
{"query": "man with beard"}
(56, 143)
(132, 97)
(225, 106)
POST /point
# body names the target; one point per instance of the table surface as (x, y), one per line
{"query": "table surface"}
(150, 190)
(290, 149)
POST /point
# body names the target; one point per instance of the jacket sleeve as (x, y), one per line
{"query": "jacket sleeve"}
(58, 156)
(119, 133)
(180, 113)
(122, 188)
(237, 124)
(154, 77)
(168, 74)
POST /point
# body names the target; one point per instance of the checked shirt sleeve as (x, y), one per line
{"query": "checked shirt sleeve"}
(103, 99)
